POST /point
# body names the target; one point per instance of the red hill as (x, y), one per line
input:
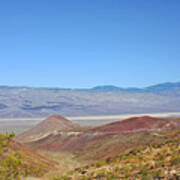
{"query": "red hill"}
(136, 124)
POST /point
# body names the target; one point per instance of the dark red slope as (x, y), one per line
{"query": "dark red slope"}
(135, 124)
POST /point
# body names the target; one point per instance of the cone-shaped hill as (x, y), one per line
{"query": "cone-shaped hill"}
(50, 125)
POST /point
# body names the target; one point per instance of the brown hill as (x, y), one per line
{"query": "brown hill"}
(51, 125)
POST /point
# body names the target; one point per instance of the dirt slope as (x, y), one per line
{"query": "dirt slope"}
(52, 124)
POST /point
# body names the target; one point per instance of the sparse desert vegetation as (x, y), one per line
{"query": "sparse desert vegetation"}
(154, 161)
(141, 148)
(157, 160)
(17, 161)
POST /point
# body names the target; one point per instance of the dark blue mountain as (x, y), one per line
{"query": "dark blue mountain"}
(164, 87)
(107, 88)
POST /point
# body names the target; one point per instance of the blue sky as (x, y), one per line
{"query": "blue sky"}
(84, 43)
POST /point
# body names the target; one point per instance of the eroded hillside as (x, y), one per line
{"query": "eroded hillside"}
(100, 142)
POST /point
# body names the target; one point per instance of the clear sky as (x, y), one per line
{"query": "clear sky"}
(84, 43)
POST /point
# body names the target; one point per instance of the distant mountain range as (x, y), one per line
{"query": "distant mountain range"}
(169, 86)
(19, 102)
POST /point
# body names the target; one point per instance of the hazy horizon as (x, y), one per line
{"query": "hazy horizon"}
(100, 85)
